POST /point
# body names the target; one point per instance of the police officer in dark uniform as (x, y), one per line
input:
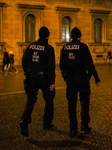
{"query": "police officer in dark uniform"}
(77, 67)
(38, 63)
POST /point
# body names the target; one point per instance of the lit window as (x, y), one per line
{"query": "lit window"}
(66, 29)
(30, 28)
(98, 31)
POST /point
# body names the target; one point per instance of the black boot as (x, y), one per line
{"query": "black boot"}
(24, 129)
(73, 132)
(86, 129)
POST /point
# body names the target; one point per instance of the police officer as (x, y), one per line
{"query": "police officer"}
(38, 63)
(5, 59)
(77, 67)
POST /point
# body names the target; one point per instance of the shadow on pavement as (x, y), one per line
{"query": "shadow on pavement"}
(48, 144)
(93, 141)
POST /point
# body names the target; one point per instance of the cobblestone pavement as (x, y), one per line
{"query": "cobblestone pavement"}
(12, 102)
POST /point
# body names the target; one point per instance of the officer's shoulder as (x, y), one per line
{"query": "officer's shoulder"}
(33, 43)
(83, 44)
(50, 47)
(69, 43)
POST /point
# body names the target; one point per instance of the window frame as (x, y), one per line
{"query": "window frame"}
(29, 22)
(104, 16)
(62, 12)
(1, 22)
(37, 24)
(98, 30)
(65, 27)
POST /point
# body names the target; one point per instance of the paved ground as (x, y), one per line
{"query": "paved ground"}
(12, 102)
(12, 82)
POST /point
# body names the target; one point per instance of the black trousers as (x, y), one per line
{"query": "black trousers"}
(6, 63)
(71, 93)
(34, 83)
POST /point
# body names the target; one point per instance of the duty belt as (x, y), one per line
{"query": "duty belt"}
(41, 73)
(37, 73)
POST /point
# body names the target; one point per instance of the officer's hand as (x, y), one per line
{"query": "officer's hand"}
(98, 83)
(51, 87)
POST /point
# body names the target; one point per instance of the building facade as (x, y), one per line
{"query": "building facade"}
(20, 21)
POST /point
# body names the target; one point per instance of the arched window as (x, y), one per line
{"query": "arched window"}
(30, 28)
(66, 29)
(98, 31)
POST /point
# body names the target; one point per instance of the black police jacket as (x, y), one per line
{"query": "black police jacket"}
(39, 57)
(76, 61)
(6, 57)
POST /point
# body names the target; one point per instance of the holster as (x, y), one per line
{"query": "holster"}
(64, 75)
(25, 85)
(26, 82)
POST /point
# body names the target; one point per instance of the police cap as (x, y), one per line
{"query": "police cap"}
(44, 32)
(75, 33)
